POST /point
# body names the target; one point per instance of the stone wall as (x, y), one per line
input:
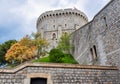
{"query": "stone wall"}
(98, 42)
(60, 74)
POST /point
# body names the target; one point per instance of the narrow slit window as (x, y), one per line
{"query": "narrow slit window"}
(95, 51)
(65, 25)
(91, 51)
(105, 21)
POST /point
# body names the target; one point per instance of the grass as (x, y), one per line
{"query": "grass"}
(66, 59)
(44, 59)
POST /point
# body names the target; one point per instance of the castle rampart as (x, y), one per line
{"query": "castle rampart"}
(60, 74)
(98, 42)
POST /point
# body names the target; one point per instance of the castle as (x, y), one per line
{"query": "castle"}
(95, 43)
(96, 47)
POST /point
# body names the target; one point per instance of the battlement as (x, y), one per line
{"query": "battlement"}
(61, 12)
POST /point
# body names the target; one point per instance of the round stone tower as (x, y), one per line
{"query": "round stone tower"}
(52, 24)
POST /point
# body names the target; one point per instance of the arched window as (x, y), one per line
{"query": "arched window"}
(76, 13)
(66, 13)
(53, 36)
(44, 16)
(93, 52)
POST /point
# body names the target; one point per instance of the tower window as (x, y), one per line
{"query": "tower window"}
(56, 14)
(54, 36)
(76, 13)
(65, 25)
(54, 26)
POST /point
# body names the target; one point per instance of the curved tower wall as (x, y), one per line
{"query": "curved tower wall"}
(52, 24)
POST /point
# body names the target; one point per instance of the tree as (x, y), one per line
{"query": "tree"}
(64, 43)
(19, 53)
(40, 43)
(26, 41)
(3, 49)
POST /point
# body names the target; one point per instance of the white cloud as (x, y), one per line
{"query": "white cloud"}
(26, 12)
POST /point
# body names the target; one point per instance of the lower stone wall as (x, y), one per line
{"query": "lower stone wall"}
(60, 74)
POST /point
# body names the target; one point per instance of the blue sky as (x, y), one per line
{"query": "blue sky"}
(18, 17)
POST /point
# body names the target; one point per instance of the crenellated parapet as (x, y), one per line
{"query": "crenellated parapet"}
(61, 12)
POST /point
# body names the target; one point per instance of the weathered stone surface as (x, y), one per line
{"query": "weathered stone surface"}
(103, 32)
(60, 74)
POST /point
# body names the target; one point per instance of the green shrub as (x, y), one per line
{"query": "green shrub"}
(68, 58)
(56, 55)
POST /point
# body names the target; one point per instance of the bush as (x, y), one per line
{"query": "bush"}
(56, 55)
(68, 58)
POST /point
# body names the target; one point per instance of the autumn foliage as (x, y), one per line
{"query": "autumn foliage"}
(21, 51)
(26, 49)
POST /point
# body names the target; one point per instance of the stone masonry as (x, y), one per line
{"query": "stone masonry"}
(95, 43)
(52, 24)
(60, 74)
(98, 42)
